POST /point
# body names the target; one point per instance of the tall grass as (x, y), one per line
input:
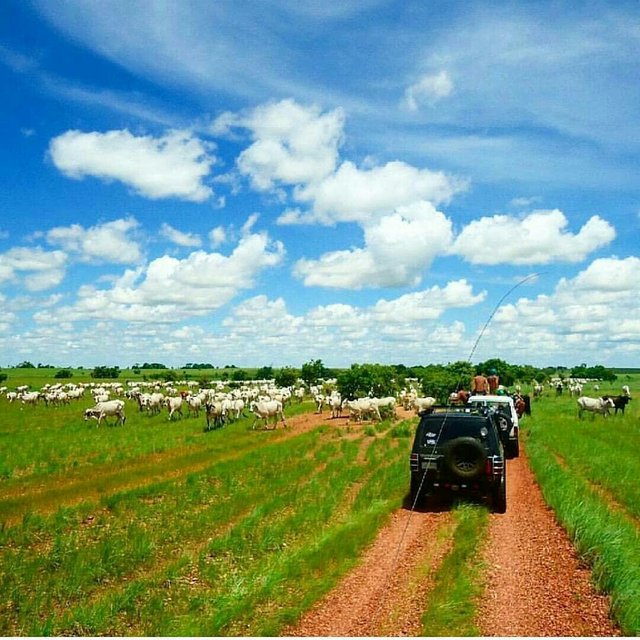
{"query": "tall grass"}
(588, 474)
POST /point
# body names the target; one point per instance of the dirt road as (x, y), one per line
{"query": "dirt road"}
(535, 584)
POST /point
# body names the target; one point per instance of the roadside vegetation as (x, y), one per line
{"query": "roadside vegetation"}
(588, 470)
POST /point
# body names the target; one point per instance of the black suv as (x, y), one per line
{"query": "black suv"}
(458, 450)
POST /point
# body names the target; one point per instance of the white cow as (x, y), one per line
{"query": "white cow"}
(104, 409)
(335, 404)
(387, 404)
(362, 408)
(423, 404)
(174, 405)
(594, 405)
(263, 410)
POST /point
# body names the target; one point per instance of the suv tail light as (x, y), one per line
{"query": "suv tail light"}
(413, 461)
(488, 467)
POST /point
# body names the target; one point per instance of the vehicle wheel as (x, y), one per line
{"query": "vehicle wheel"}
(465, 458)
(499, 496)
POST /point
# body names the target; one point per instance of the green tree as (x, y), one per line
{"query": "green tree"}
(63, 373)
(264, 373)
(313, 370)
(25, 365)
(105, 372)
(286, 377)
(239, 375)
(364, 379)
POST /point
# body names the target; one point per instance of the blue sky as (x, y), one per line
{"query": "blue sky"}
(266, 183)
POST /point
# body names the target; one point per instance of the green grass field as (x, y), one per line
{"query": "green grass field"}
(158, 528)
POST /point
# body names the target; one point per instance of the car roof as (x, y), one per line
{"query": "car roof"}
(491, 398)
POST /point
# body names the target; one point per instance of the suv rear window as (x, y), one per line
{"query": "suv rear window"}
(446, 428)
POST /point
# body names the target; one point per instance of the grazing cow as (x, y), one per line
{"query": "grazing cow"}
(335, 405)
(103, 409)
(362, 408)
(594, 405)
(619, 402)
(263, 410)
(216, 415)
(174, 405)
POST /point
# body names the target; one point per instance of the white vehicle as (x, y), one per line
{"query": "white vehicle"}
(504, 405)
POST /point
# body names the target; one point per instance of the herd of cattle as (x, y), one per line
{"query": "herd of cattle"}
(266, 401)
(599, 405)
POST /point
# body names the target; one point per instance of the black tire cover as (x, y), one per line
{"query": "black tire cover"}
(465, 457)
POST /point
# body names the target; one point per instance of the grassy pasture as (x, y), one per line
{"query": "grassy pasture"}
(158, 528)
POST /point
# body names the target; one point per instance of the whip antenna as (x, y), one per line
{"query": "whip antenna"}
(495, 310)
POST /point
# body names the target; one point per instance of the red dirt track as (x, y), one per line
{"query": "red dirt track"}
(535, 584)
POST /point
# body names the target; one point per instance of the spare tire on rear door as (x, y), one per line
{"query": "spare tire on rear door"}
(465, 458)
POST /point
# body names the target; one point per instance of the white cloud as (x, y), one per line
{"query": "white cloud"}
(108, 242)
(398, 249)
(355, 195)
(428, 304)
(593, 314)
(293, 144)
(35, 268)
(538, 238)
(169, 289)
(429, 89)
(610, 275)
(217, 236)
(179, 237)
(173, 166)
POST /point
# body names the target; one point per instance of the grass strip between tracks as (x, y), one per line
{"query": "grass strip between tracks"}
(451, 608)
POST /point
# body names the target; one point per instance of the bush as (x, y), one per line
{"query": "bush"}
(63, 373)
(105, 372)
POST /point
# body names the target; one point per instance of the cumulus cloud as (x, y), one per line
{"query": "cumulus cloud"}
(428, 90)
(595, 303)
(35, 268)
(172, 166)
(109, 242)
(292, 144)
(398, 249)
(538, 238)
(354, 195)
(429, 304)
(179, 237)
(168, 289)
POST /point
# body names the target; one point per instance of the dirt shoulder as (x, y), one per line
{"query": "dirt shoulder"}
(536, 585)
